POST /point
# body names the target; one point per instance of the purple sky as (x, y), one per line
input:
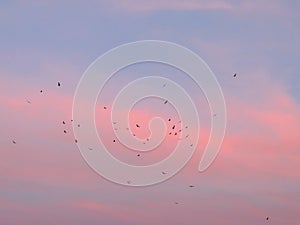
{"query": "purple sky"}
(44, 179)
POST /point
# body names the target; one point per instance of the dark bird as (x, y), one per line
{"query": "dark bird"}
(104, 107)
(114, 140)
(76, 141)
(166, 102)
(28, 101)
(267, 218)
(164, 173)
(234, 75)
(64, 122)
(169, 119)
(137, 125)
(170, 133)
(191, 186)
(65, 131)
(138, 155)
(71, 120)
(90, 149)
(58, 84)
(78, 125)
(173, 127)
(14, 142)
(175, 133)
(176, 203)
(41, 91)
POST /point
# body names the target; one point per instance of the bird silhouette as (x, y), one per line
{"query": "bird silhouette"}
(234, 75)
(173, 127)
(166, 102)
(65, 131)
(58, 84)
(138, 126)
(14, 142)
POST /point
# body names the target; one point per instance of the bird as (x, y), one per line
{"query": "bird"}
(65, 131)
(114, 141)
(169, 119)
(191, 186)
(164, 85)
(175, 133)
(138, 155)
(173, 127)
(104, 107)
(41, 91)
(63, 122)
(164, 173)
(78, 125)
(58, 84)
(76, 141)
(137, 125)
(14, 142)
(176, 203)
(28, 101)
(267, 218)
(170, 133)
(90, 149)
(234, 75)
(166, 102)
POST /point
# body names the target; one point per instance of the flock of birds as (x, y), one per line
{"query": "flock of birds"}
(138, 126)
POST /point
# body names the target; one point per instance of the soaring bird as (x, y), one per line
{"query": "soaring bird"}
(137, 125)
(166, 102)
(234, 75)
(58, 84)
(14, 142)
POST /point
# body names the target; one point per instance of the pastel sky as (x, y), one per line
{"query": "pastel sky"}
(44, 179)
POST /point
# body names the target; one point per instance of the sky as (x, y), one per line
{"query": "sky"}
(45, 180)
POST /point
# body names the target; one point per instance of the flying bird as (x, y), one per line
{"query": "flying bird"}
(14, 142)
(58, 84)
(234, 75)
(137, 125)
(64, 122)
(104, 107)
(41, 91)
(65, 131)
(173, 127)
(267, 218)
(76, 141)
(191, 186)
(169, 119)
(166, 102)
